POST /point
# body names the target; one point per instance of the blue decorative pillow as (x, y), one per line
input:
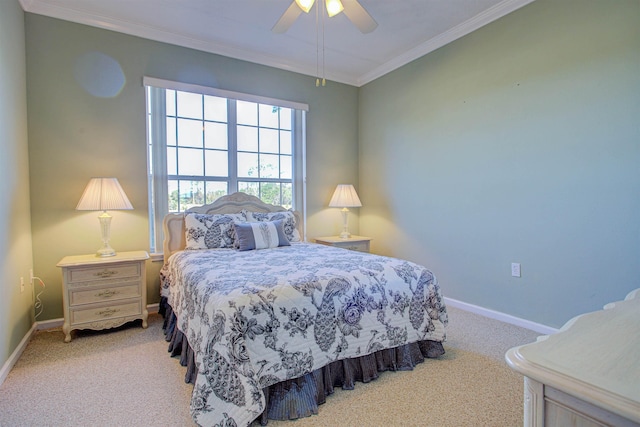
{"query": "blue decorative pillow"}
(287, 217)
(204, 231)
(260, 235)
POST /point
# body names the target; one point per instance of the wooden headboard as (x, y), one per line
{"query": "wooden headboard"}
(173, 224)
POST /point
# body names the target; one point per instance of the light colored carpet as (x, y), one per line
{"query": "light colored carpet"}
(125, 377)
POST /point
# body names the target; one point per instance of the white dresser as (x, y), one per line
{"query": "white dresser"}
(587, 374)
(101, 293)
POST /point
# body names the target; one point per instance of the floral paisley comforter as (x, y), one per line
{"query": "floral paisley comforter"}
(256, 318)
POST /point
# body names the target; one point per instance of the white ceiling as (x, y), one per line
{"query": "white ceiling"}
(407, 29)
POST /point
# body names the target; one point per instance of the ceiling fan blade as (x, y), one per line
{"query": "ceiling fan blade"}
(359, 16)
(287, 19)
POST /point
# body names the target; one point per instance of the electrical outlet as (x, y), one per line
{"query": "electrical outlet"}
(515, 269)
(21, 284)
(31, 276)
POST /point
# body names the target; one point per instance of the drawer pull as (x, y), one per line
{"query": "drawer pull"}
(106, 273)
(107, 294)
(108, 312)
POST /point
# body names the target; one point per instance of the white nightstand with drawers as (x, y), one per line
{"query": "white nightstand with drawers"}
(354, 243)
(100, 293)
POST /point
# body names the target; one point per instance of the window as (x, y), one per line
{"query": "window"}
(204, 143)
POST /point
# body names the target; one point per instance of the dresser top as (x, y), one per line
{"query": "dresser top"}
(595, 356)
(93, 259)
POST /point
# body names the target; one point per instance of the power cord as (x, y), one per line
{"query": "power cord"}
(37, 305)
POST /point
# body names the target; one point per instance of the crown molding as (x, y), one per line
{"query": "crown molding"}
(42, 7)
(498, 11)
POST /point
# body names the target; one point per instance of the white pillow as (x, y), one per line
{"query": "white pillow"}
(204, 231)
(287, 217)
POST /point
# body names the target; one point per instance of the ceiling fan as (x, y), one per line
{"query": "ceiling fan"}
(351, 8)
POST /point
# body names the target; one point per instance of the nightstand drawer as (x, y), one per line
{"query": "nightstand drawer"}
(105, 312)
(353, 243)
(116, 271)
(91, 295)
(354, 246)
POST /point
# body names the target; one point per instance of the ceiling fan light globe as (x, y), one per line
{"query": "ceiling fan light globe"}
(334, 7)
(305, 5)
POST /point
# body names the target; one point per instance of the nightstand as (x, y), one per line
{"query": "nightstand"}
(100, 293)
(354, 243)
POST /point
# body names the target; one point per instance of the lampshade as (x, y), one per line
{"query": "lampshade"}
(345, 196)
(334, 7)
(103, 194)
(305, 5)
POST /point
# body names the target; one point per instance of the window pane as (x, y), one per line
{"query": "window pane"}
(190, 162)
(247, 113)
(215, 108)
(270, 192)
(172, 187)
(287, 194)
(285, 118)
(268, 116)
(215, 135)
(268, 140)
(251, 188)
(171, 102)
(286, 167)
(215, 190)
(171, 131)
(189, 133)
(247, 139)
(269, 166)
(248, 165)
(285, 142)
(216, 163)
(172, 161)
(191, 194)
(189, 105)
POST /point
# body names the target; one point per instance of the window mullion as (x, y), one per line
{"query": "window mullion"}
(232, 130)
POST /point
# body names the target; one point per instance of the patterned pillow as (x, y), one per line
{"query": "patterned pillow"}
(260, 235)
(204, 231)
(287, 217)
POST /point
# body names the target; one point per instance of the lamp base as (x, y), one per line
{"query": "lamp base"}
(105, 226)
(345, 224)
(106, 252)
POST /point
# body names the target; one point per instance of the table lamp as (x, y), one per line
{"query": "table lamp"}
(345, 197)
(102, 194)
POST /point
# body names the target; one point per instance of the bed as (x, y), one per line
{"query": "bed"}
(267, 324)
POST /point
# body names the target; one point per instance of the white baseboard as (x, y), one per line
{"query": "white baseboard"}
(506, 318)
(8, 365)
(153, 308)
(49, 324)
(39, 326)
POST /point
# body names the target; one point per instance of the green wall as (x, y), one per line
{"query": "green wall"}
(84, 122)
(517, 143)
(16, 312)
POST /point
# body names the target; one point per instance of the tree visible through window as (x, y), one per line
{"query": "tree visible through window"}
(203, 146)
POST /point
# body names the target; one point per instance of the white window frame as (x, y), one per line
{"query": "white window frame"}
(157, 148)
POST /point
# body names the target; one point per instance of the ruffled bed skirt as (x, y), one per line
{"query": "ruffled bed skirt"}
(300, 397)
